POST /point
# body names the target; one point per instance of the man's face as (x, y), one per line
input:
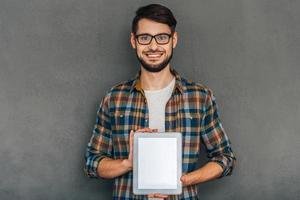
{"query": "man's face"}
(154, 57)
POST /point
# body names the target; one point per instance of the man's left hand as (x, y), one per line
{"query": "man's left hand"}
(162, 196)
(185, 180)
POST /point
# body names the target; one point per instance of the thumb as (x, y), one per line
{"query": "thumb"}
(131, 136)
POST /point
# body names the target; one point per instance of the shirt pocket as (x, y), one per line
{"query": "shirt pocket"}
(192, 123)
(123, 121)
(118, 121)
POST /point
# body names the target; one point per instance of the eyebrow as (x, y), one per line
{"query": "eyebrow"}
(153, 35)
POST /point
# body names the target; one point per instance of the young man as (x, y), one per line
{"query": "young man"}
(157, 99)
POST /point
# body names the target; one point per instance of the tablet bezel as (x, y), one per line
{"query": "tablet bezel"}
(176, 135)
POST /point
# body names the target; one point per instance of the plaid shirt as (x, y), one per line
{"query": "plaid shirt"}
(191, 110)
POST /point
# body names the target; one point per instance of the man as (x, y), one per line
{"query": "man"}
(157, 99)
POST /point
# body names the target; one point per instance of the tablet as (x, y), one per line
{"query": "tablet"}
(157, 163)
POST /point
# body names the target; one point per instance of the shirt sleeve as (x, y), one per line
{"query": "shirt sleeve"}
(215, 138)
(100, 144)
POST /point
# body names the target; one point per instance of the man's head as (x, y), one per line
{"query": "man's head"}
(153, 36)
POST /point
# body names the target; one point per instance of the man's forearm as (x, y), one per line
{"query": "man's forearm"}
(110, 168)
(209, 171)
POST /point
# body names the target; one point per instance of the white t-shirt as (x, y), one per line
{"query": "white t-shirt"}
(157, 100)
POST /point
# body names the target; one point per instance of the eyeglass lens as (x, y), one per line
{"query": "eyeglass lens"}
(160, 38)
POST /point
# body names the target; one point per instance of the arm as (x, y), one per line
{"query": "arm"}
(221, 158)
(99, 153)
(99, 162)
(110, 168)
(209, 171)
(100, 145)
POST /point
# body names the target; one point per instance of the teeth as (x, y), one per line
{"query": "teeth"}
(153, 55)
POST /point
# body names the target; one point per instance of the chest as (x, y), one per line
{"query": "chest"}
(183, 113)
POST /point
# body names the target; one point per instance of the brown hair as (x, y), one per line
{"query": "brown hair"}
(155, 12)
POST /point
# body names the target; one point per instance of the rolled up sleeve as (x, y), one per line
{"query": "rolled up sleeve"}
(100, 144)
(215, 138)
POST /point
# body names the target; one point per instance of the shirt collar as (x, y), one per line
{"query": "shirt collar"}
(137, 82)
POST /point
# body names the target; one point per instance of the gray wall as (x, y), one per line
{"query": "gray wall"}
(59, 57)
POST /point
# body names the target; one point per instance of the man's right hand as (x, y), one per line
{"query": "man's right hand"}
(112, 168)
(129, 161)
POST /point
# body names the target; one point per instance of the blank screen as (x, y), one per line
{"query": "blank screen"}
(157, 163)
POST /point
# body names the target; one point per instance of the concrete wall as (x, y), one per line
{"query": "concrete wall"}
(59, 57)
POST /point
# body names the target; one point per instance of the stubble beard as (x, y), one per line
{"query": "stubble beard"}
(155, 67)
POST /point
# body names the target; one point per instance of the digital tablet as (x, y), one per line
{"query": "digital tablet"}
(157, 163)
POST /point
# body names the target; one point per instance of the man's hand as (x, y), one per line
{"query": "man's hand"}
(209, 171)
(130, 156)
(185, 180)
(162, 196)
(129, 161)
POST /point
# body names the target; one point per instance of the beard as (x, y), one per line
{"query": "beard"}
(155, 67)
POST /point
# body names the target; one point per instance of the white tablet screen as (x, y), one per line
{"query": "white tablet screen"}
(157, 163)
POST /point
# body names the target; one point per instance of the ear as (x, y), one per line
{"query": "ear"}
(132, 40)
(174, 39)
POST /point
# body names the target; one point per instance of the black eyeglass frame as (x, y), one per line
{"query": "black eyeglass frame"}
(154, 36)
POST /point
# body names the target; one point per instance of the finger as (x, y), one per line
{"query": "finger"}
(155, 130)
(184, 180)
(150, 195)
(148, 130)
(131, 138)
(131, 143)
(160, 196)
(131, 133)
(144, 130)
(141, 130)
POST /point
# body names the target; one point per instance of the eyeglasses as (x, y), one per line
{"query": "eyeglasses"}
(145, 39)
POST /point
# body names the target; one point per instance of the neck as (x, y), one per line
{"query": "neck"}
(156, 80)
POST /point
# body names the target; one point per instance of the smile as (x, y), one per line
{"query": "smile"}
(154, 55)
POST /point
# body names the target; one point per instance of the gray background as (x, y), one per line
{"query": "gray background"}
(59, 57)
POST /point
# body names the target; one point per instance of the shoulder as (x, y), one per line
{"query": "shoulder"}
(118, 90)
(199, 92)
(191, 86)
(123, 87)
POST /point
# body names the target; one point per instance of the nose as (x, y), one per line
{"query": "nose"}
(153, 45)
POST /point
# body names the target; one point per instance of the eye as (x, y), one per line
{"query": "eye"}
(162, 37)
(144, 37)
